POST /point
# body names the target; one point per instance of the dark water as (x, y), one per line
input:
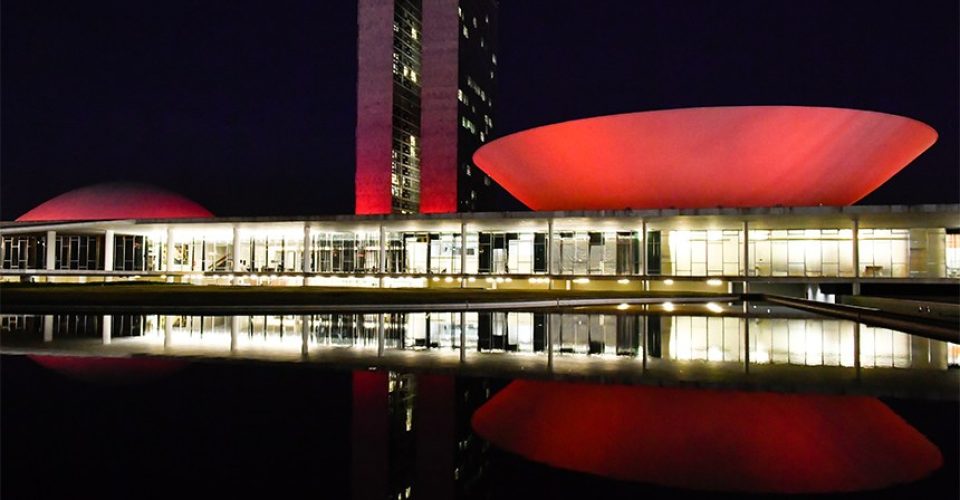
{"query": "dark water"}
(221, 429)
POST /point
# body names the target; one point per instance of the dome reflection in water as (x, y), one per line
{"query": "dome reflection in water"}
(110, 370)
(709, 439)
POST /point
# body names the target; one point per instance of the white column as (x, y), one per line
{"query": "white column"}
(167, 331)
(463, 254)
(304, 334)
(108, 250)
(856, 348)
(463, 336)
(382, 256)
(235, 332)
(305, 260)
(235, 254)
(170, 251)
(643, 256)
(856, 256)
(107, 324)
(51, 250)
(746, 340)
(549, 252)
(381, 335)
(549, 327)
(48, 328)
(236, 249)
(746, 255)
(644, 331)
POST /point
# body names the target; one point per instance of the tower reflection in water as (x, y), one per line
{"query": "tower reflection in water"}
(411, 435)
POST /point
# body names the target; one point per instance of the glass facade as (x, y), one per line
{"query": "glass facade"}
(906, 253)
(801, 253)
(131, 253)
(345, 252)
(203, 255)
(595, 253)
(576, 249)
(715, 252)
(79, 252)
(476, 92)
(23, 252)
(405, 154)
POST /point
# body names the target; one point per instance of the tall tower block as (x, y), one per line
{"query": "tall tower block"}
(425, 102)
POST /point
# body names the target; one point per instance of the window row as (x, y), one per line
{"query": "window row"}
(769, 253)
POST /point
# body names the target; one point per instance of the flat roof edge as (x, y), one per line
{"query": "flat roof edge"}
(853, 211)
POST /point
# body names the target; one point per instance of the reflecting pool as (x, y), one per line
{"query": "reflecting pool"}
(774, 348)
(299, 429)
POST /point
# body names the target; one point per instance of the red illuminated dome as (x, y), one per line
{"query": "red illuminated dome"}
(750, 156)
(116, 201)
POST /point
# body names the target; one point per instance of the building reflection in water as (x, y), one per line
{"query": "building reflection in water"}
(411, 435)
(807, 341)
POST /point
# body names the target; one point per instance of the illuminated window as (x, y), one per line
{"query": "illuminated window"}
(466, 34)
(953, 255)
(467, 124)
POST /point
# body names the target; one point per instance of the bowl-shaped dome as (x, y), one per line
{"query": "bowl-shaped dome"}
(116, 201)
(748, 156)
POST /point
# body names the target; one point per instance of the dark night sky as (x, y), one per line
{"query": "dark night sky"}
(248, 108)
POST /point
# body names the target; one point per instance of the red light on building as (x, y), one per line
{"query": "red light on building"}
(709, 440)
(116, 201)
(750, 156)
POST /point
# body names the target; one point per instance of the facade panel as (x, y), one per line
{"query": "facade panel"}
(374, 106)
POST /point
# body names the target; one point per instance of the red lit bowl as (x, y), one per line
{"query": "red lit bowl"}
(748, 156)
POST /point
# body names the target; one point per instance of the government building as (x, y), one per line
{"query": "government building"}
(662, 200)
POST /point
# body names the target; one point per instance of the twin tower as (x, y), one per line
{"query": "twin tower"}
(427, 73)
